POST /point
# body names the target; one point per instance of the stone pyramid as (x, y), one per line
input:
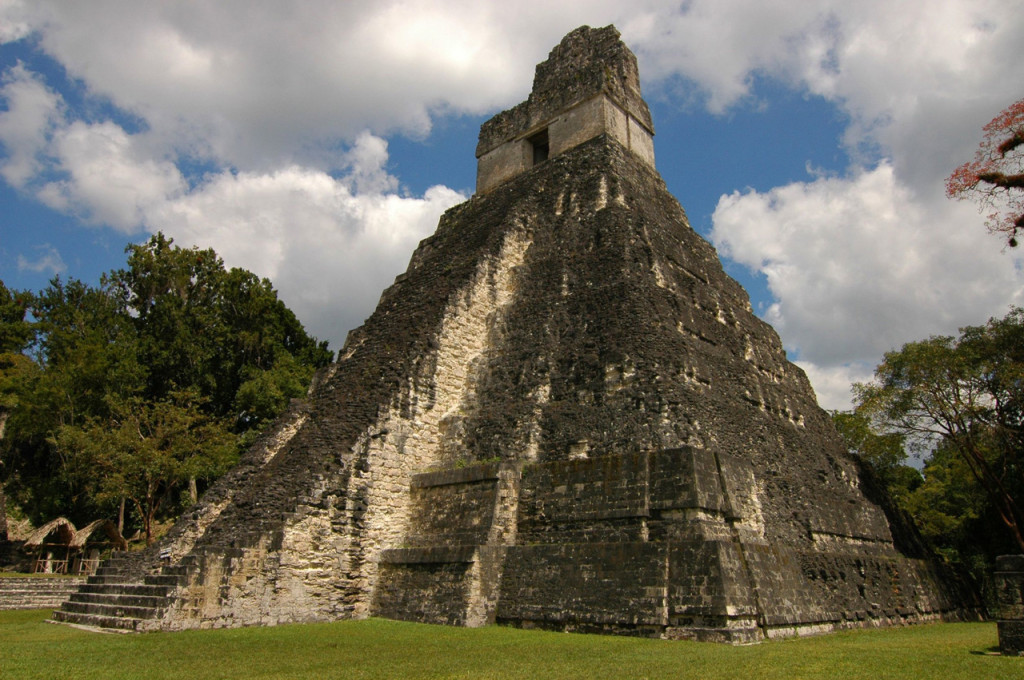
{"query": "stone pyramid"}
(563, 415)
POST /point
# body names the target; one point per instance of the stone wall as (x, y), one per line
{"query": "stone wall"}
(663, 543)
(450, 562)
(589, 86)
(588, 119)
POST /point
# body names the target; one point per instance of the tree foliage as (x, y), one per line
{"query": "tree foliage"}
(15, 334)
(144, 451)
(995, 178)
(962, 396)
(130, 391)
(885, 453)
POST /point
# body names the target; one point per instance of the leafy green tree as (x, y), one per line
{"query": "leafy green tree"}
(85, 353)
(147, 450)
(206, 328)
(948, 503)
(172, 295)
(964, 395)
(15, 335)
(149, 383)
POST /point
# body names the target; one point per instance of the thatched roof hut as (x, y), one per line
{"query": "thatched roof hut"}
(62, 530)
(52, 544)
(60, 549)
(101, 532)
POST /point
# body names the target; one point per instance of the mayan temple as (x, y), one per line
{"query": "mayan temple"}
(564, 414)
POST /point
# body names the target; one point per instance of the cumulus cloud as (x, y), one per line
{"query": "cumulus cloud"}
(48, 260)
(833, 385)
(258, 85)
(14, 26)
(33, 110)
(859, 265)
(106, 178)
(286, 108)
(328, 250)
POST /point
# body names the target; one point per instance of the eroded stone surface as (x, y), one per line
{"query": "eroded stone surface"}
(1009, 587)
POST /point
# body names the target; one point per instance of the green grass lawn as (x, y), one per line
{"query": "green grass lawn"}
(376, 648)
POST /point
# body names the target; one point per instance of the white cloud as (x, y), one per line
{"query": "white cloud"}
(285, 106)
(330, 243)
(834, 384)
(33, 110)
(861, 265)
(49, 260)
(14, 25)
(719, 46)
(329, 251)
(258, 85)
(107, 179)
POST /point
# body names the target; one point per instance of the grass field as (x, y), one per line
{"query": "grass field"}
(376, 648)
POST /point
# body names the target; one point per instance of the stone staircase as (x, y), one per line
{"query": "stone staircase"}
(36, 593)
(114, 600)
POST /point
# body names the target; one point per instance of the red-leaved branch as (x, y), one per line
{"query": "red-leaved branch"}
(995, 178)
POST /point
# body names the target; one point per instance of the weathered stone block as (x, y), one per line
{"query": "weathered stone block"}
(1009, 586)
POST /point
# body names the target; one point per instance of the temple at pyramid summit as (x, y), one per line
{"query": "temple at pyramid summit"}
(563, 415)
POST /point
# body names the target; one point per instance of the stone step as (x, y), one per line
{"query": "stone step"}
(112, 610)
(40, 588)
(36, 593)
(108, 569)
(120, 599)
(165, 580)
(32, 600)
(125, 589)
(115, 600)
(120, 623)
(99, 579)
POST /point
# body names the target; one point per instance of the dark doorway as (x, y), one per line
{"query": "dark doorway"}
(539, 142)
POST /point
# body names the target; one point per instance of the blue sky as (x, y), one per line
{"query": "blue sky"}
(316, 143)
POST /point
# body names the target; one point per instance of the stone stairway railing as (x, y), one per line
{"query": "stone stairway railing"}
(36, 593)
(113, 599)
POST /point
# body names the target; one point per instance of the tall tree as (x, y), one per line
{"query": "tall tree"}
(966, 394)
(210, 329)
(995, 178)
(85, 353)
(145, 451)
(15, 335)
(150, 383)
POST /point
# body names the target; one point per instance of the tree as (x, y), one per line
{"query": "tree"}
(85, 355)
(995, 178)
(885, 453)
(15, 335)
(148, 383)
(204, 327)
(965, 394)
(146, 450)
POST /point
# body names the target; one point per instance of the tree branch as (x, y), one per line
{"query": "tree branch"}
(1002, 181)
(1011, 144)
